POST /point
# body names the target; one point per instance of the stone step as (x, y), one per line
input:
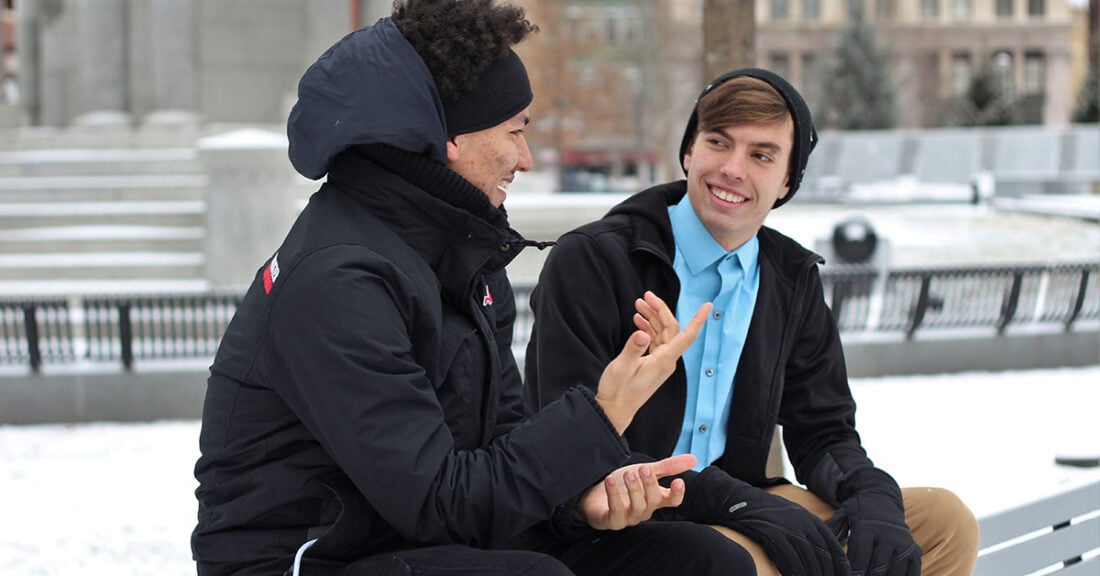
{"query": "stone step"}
(14, 215)
(97, 162)
(100, 265)
(113, 188)
(100, 238)
(97, 286)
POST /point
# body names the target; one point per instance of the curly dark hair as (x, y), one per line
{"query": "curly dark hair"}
(458, 39)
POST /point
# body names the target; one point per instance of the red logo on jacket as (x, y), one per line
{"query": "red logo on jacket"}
(271, 273)
(487, 300)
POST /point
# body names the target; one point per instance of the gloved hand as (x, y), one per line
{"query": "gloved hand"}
(796, 541)
(873, 517)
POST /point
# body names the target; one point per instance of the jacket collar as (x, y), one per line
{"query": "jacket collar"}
(652, 228)
(455, 243)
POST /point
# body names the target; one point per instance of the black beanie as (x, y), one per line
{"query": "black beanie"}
(805, 137)
(503, 90)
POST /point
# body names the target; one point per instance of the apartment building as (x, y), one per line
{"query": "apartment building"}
(935, 47)
(619, 76)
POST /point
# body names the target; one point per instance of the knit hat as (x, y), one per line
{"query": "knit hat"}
(805, 137)
(503, 90)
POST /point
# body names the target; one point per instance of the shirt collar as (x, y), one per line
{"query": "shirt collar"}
(698, 248)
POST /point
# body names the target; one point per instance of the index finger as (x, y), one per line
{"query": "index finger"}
(681, 341)
(673, 465)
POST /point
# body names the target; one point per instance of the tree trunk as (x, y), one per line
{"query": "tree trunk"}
(729, 34)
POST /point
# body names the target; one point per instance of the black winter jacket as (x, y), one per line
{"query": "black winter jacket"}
(365, 393)
(791, 371)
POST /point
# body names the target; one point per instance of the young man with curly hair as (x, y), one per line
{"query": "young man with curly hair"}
(364, 413)
(769, 354)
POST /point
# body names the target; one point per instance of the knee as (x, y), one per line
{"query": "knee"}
(709, 553)
(942, 519)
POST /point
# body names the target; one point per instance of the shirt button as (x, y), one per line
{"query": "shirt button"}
(710, 371)
(703, 429)
(717, 315)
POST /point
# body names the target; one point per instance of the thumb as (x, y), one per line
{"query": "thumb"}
(637, 344)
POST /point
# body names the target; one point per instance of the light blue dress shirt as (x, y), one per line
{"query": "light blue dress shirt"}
(708, 273)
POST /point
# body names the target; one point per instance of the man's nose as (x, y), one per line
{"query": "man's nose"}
(734, 167)
(526, 161)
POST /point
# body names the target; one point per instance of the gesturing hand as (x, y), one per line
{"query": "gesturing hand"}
(630, 495)
(634, 375)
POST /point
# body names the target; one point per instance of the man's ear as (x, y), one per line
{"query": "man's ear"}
(786, 189)
(452, 150)
(687, 157)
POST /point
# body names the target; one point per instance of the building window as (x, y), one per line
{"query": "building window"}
(811, 10)
(780, 63)
(1036, 7)
(1004, 70)
(1034, 72)
(961, 73)
(930, 9)
(962, 9)
(780, 9)
(1004, 8)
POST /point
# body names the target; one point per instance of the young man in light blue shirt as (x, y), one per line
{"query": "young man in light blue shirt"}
(769, 355)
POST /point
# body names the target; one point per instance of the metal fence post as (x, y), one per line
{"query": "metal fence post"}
(30, 324)
(1008, 308)
(921, 307)
(1079, 302)
(125, 335)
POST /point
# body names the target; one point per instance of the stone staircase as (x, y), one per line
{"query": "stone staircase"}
(125, 217)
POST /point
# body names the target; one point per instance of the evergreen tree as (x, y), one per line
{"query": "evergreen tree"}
(1088, 99)
(989, 100)
(859, 93)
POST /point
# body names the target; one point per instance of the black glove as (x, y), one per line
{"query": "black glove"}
(796, 541)
(873, 517)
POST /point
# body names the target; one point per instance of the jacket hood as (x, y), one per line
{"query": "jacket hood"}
(371, 87)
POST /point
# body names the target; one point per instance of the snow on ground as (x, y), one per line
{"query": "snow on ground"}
(117, 499)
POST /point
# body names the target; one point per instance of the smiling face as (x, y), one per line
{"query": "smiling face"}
(739, 160)
(490, 158)
(734, 176)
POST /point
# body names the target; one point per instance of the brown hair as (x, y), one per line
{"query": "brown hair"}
(739, 101)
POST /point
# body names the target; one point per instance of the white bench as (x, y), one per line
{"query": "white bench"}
(1049, 534)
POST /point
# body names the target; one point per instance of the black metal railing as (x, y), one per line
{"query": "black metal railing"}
(113, 329)
(124, 329)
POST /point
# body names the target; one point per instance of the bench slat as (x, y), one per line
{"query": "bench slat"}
(1042, 551)
(1047, 511)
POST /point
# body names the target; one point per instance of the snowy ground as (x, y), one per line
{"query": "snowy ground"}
(117, 499)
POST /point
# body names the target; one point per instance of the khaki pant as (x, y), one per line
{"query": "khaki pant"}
(943, 526)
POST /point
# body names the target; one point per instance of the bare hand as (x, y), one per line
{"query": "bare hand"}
(634, 375)
(630, 495)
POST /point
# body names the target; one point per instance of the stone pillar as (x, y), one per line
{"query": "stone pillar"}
(1059, 104)
(102, 62)
(29, 57)
(253, 196)
(173, 52)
